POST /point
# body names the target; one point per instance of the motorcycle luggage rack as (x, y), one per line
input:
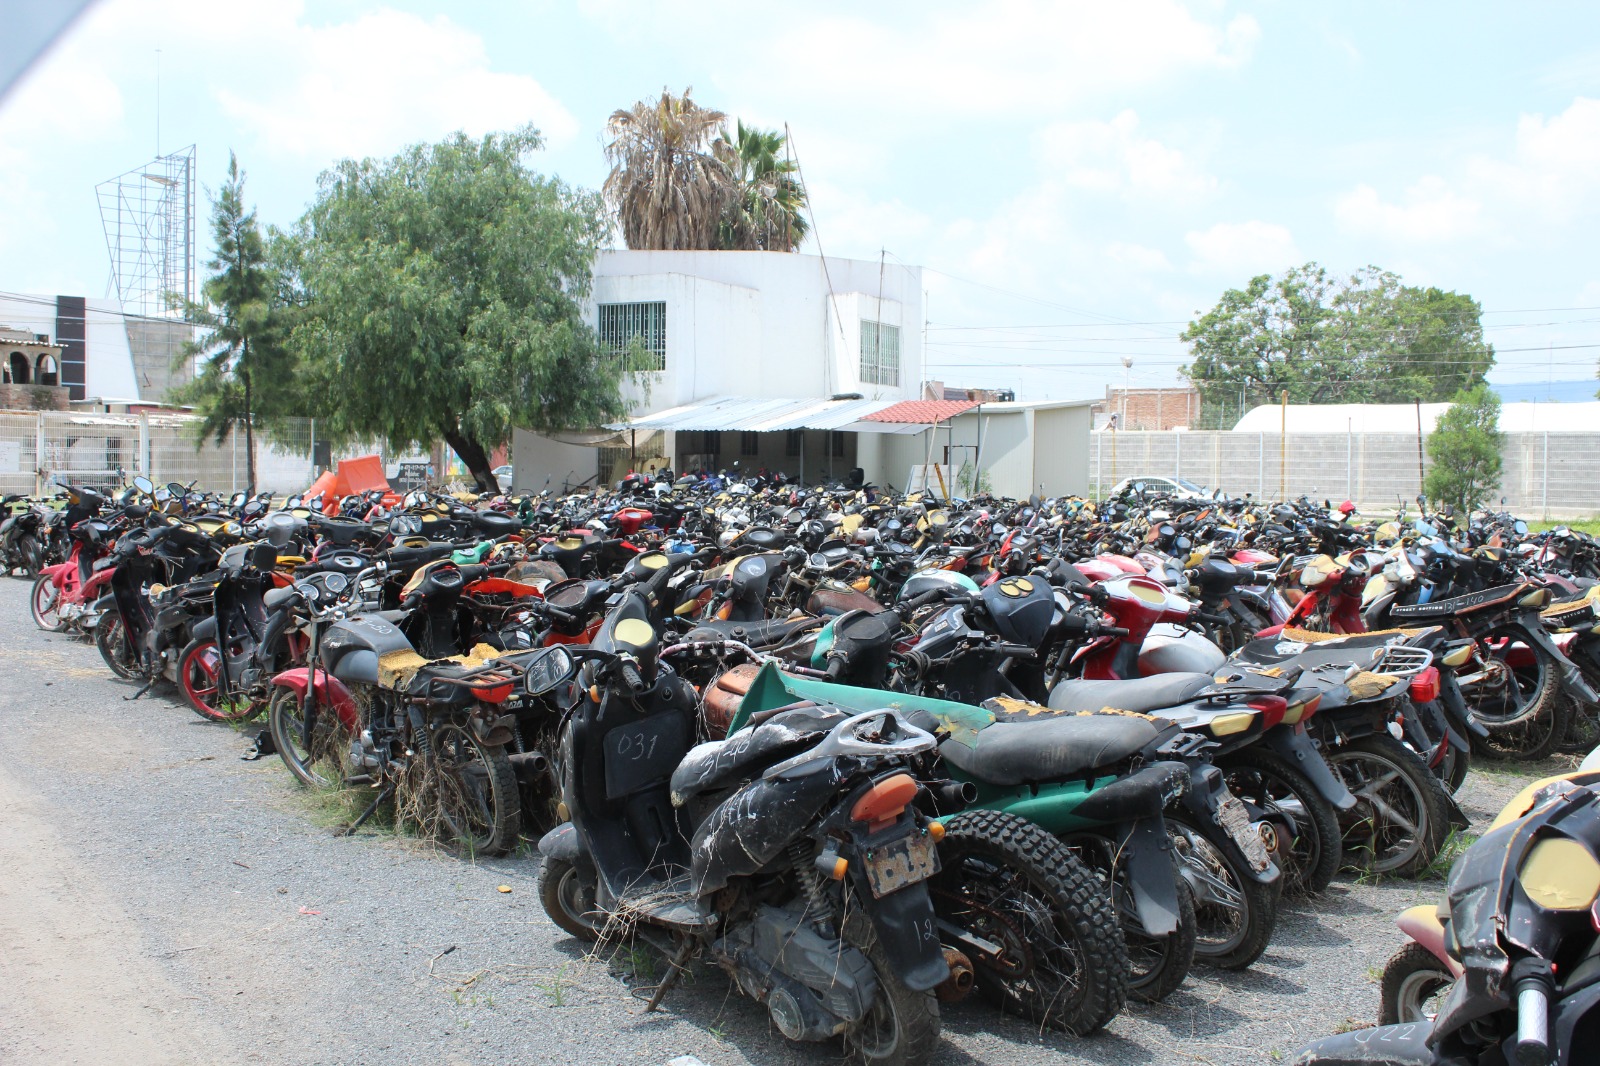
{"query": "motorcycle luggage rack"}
(1398, 660)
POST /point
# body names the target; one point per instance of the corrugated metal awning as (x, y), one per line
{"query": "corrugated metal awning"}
(751, 415)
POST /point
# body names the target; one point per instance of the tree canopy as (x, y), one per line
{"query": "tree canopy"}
(440, 299)
(1324, 339)
(679, 181)
(243, 362)
(1465, 449)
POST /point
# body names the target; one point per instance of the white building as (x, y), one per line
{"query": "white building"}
(779, 361)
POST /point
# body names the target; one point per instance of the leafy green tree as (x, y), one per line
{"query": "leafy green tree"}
(440, 294)
(1324, 339)
(243, 363)
(768, 211)
(672, 175)
(1465, 449)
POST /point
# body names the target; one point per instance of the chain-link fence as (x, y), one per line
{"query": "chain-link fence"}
(43, 449)
(1549, 475)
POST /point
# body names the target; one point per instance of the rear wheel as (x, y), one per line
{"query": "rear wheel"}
(1157, 965)
(112, 640)
(1287, 797)
(1514, 691)
(1414, 985)
(1401, 817)
(902, 1026)
(463, 792)
(1061, 960)
(30, 554)
(1234, 913)
(45, 603)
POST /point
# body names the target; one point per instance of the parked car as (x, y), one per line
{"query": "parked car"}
(502, 474)
(1161, 486)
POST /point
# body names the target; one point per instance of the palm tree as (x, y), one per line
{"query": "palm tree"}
(768, 214)
(672, 174)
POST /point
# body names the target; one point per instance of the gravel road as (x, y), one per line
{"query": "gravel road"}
(162, 901)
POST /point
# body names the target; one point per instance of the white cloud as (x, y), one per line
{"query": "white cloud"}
(1242, 249)
(1113, 157)
(1015, 56)
(1432, 211)
(1549, 175)
(1137, 256)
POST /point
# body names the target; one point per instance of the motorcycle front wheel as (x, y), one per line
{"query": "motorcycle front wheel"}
(568, 898)
(111, 639)
(1414, 985)
(45, 603)
(199, 667)
(320, 763)
(31, 556)
(1520, 704)
(1062, 961)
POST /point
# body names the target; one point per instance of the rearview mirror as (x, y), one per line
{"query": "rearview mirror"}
(547, 671)
(144, 485)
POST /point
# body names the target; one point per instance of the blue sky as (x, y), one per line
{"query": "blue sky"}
(1078, 179)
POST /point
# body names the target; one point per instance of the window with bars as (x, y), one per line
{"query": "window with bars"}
(791, 442)
(836, 444)
(620, 324)
(880, 353)
(749, 444)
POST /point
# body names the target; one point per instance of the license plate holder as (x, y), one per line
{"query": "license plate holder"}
(894, 865)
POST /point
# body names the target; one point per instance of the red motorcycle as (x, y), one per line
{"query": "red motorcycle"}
(65, 596)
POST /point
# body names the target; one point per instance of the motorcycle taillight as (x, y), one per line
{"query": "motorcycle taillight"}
(1425, 686)
(1271, 709)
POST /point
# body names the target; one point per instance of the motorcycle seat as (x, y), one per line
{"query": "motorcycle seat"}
(272, 599)
(769, 633)
(1138, 696)
(1455, 604)
(1049, 747)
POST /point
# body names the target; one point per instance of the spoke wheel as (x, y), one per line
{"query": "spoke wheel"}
(1062, 961)
(463, 792)
(322, 763)
(1286, 797)
(1400, 819)
(1234, 913)
(112, 641)
(45, 603)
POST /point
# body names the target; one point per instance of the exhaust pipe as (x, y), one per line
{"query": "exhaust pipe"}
(530, 767)
(955, 987)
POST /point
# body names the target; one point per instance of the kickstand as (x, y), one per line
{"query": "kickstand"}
(372, 808)
(148, 685)
(675, 970)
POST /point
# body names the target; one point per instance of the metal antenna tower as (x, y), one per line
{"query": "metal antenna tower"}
(149, 218)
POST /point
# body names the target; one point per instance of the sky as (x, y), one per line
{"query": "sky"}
(1077, 180)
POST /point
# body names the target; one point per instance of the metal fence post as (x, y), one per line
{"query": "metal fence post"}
(1544, 505)
(38, 454)
(1177, 454)
(1349, 460)
(233, 463)
(1261, 465)
(142, 461)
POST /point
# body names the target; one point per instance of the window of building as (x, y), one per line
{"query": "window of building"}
(836, 444)
(619, 325)
(791, 443)
(749, 444)
(880, 353)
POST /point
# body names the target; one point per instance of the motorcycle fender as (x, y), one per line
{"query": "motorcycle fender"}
(1147, 851)
(1292, 743)
(561, 843)
(1455, 706)
(1571, 676)
(908, 933)
(1422, 924)
(58, 572)
(1204, 801)
(330, 692)
(1140, 795)
(1384, 1045)
(205, 629)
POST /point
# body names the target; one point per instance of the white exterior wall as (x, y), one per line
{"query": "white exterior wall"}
(762, 323)
(108, 369)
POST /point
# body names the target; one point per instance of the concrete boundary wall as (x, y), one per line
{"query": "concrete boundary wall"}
(1545, 475)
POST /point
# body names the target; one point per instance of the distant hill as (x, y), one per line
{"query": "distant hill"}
(1578, 391)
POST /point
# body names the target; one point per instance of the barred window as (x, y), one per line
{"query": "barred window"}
(836, 444)
(793, 440)
(880, 353)
(620, 324)
(749, 444)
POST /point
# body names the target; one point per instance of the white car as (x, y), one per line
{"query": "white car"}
(502, 474)
(1161, 486)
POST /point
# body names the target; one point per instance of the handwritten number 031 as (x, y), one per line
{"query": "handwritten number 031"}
(637, 746)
